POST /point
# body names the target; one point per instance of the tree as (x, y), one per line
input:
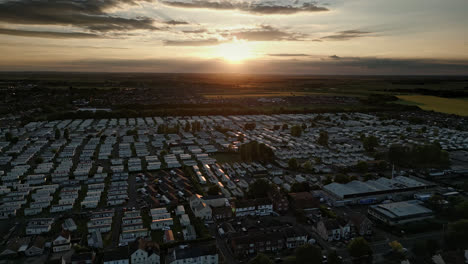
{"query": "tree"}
(308, 165)
(308, 254)
(57, 133)
(359, 247)
(240, 137)
(66, 134)
(214, 190)
(334, 258)
(39, 160)
(8, 136)
(249, 126)
(276, 127)
(323, 138)
(462, 209)
(285, 126)
(396, 246)
(457, 236)
(304, 126)
(300, 187)
(259, 189)
(432, 246)
(296, 131)
(261, 259)
(292, 164)
(187, 127)
(342, 178)
(370, 142)
(362, 166)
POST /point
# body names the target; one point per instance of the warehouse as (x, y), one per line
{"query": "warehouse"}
(400, 212)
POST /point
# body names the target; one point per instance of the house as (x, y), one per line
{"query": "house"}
(69, 225)
(95, 239)
(168, 236)
(82, 258)
(253, 207)
(220, 213)
(215, 200)
(203, 253)
(36, 248)
(189, 233)
(304, 201)
(295, 237)
(184, 220)
(62, 242)
(15, 246)
(180, 210)
(144, 251)
(116, 256)
(333, 229)
(199, 208)
(360, 225)
(246, 244)
(38, 226)
(280, 202)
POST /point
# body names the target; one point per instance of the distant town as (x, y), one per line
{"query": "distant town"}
(292, 188)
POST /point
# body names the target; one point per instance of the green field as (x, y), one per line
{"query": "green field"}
(438, 104)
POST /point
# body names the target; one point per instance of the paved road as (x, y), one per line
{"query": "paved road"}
(222, 246)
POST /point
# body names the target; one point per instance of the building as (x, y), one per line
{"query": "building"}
(373, 191)
(400, 212)
(304, 201)
(221, 213)
(203, 253)
(253, 207)
(144, 251)
(333, 229)
(280, 202)
(199, 208)
(62, 242)
(36, 248)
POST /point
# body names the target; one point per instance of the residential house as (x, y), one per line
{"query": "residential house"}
(36, 248)
(253, 207)
(221, 213)
(62, 242)
(204, 253)
(82, 258)
(280, 202)
(199, 208)
(304, 201)
(333, 229)
(144, 251)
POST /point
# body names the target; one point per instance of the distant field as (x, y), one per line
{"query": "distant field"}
(233, 94)
(438, 104)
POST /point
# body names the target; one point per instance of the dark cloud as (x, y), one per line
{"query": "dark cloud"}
(198, 42)
(288, 55)
(47, 34)
(86, 14)
(347, 35)
(346, 65)
(264, 33)
(176, 22)
(195, 31)
(262, 8)
(334, 57)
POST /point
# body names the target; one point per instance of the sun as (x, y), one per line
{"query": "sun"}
(235, 52)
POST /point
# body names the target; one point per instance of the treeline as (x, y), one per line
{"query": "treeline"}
(254, 151)
(438, 92)
(429, 155)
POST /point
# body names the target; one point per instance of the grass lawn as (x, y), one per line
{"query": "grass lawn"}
(438, 104)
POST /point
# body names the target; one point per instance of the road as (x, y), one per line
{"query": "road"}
(116, 224)
(222, 245)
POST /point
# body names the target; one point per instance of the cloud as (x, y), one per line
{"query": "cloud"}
(176, 22)
(47, 34)
(86, 14)
(196, 43)
(259, 7)
(195, 31)
(312, 66)
(264, 33)
(334, 57)
(347, 35)
(288, 55)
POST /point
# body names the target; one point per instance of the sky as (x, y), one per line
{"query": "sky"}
(375, 37)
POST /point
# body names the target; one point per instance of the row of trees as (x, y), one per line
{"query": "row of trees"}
(254, 151)
(429, 155)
